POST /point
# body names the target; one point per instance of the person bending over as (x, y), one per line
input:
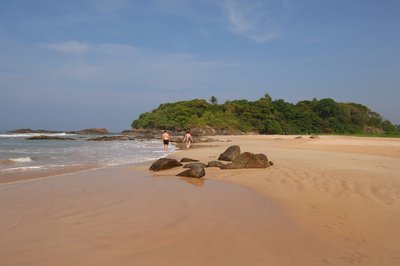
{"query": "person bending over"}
(188, 139)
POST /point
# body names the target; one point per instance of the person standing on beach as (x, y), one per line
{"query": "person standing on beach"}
(165, 139)
(188, 139)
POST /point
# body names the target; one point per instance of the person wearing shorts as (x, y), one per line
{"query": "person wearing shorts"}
(165, 139)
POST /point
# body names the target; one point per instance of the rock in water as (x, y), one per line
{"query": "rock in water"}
(230, 154)
(48, 138)
(164, 164)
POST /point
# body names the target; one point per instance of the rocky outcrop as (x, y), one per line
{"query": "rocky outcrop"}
(92, 131)
(203, 131)
(210, 131)
(230, 154)
(146, 134)
(215, 164)
(196, 171)
(111, 138)
(89, 131)
(373, 130)
(248, 160)
(164, 164)
(48, 138)
(28, 130)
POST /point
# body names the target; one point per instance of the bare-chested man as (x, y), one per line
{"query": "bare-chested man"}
(165, 139)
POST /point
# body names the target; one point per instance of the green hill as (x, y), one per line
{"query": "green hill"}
(267, 116)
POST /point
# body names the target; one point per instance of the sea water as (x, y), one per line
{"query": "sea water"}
(21, 156)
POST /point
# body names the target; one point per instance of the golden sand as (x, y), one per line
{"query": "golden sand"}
(344, 189)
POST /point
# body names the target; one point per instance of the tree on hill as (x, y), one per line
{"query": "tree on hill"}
(266, 116)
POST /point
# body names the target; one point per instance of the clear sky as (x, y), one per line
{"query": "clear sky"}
(67, 65)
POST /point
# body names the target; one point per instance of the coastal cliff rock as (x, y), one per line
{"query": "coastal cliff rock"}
(230, 154)
(211, 131)
(164, 164)
(196, 171)
(248, 160)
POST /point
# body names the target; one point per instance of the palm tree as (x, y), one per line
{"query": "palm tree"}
(213, 100)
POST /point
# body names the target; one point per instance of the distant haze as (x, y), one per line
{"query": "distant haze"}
(68, 65)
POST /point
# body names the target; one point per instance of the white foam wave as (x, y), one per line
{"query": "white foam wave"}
(36, 167)
(24, 168)
(28, 135)
(21, 160)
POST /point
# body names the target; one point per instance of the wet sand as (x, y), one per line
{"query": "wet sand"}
(121, 216)
(328, 201)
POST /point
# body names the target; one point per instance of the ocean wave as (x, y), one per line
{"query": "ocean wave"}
(23, 168)
(21, 159)
(24, 156)
(16, 160)
(28, 135)
(38, 167)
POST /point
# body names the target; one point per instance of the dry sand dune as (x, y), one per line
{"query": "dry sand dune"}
(327, 201)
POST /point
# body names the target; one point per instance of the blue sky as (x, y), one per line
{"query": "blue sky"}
(67, 65)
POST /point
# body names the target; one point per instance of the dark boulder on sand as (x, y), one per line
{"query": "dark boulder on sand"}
(248, 160)
(196, 171)
(194, 164)
(164, 164)
(215, 164)
(188, 160)
(230, 154)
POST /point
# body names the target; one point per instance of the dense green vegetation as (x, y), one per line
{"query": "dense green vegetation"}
(267, 116)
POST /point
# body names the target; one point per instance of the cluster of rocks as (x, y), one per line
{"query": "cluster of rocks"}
(88, 131)
(139, 134)
(175, 136)
(196, 169)
(49, 138)
(111, 138)
(28, 131)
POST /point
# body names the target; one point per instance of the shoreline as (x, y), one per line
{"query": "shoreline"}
(338, 199)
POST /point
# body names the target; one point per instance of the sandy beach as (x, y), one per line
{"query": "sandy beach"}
(333, 200)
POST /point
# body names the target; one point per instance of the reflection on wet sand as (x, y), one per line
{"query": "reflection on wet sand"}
(198, 182)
